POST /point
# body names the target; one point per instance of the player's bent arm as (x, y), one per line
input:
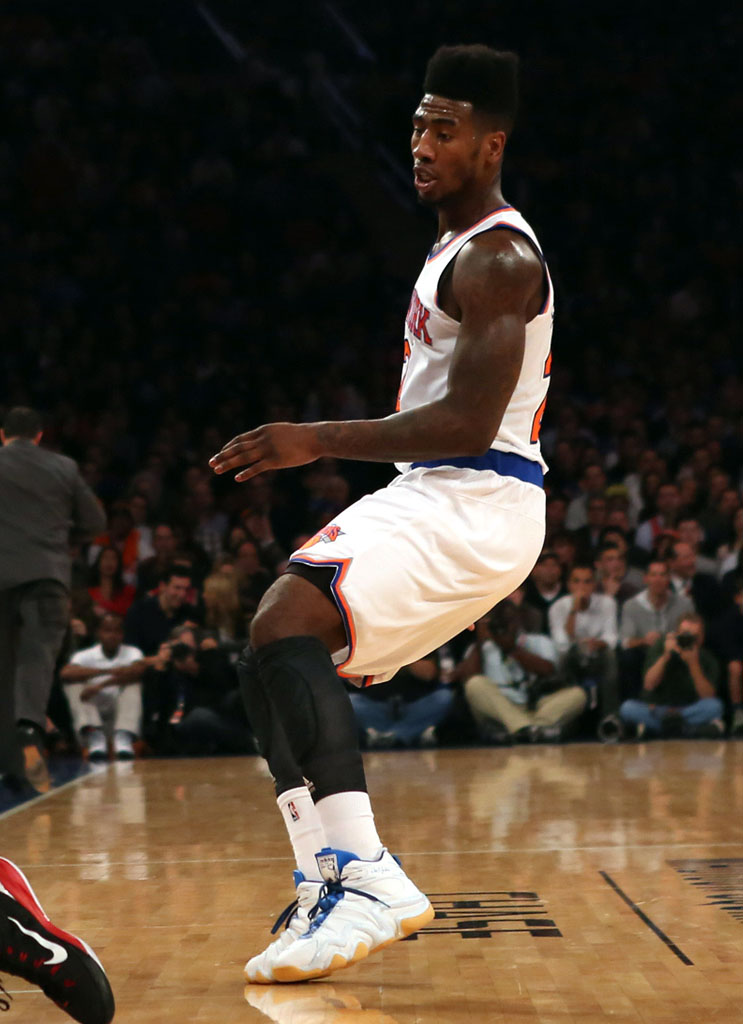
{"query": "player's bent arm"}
(492, 284)
(495, 281)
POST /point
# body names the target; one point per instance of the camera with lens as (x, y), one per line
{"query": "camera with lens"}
(181, 651)
(686, 641)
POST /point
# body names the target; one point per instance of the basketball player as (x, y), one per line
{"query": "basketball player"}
(406, 568)
(64, 967)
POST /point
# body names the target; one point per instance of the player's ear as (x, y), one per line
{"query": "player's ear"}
(495, 143)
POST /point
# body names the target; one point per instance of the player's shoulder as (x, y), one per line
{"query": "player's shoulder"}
(504, 245)
(499, 256)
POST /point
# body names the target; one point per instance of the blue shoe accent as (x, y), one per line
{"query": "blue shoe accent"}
(288, 913)
(330, 894)
(331, 862)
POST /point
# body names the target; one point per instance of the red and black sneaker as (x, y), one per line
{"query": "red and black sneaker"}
(64, 967)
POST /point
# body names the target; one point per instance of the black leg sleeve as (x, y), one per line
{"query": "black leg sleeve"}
(266, 724)
(315, 712)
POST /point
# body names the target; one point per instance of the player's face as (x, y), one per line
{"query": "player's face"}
(451, 152)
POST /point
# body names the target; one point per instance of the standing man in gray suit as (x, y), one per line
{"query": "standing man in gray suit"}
(43, 499)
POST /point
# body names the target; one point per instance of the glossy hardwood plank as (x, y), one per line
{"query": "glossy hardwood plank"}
(175, 870)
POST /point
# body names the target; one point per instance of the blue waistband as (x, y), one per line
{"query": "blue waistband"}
(503, 463)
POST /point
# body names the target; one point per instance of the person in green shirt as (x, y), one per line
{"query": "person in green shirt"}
(679, 691)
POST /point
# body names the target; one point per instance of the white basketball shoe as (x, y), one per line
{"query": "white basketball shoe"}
(259, 969)
(364, 906)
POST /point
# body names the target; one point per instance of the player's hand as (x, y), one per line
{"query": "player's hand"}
(273, 446)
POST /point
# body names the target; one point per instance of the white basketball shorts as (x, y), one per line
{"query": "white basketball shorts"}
(422, 559)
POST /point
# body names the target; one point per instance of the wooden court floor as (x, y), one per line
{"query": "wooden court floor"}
(573, 885)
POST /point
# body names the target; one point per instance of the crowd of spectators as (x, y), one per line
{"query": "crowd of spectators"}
(188, 250)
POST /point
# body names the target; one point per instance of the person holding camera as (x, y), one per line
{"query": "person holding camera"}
(679, 693)
(514, 684)
(199, 708)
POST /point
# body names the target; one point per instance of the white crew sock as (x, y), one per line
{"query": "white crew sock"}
(305, 829)
(348, 821)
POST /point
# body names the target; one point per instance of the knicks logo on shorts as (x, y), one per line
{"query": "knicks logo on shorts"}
(327, 535)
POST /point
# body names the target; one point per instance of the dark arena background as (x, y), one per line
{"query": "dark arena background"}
(208, 222)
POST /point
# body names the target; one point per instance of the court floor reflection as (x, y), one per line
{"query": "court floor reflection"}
(319, 1003)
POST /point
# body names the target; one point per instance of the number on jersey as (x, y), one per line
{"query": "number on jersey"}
(536, 425)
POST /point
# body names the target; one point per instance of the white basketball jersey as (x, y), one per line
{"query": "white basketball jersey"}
(430, 337)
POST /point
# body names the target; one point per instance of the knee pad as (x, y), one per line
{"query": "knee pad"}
(268, 719)
(286, 677)
(255, 700)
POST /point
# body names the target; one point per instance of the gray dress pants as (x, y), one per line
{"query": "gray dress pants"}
(33, 621)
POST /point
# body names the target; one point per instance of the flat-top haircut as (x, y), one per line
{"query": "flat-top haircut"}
(22, 422)
(486, 78)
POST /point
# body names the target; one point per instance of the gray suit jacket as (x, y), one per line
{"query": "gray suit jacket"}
(43, 499)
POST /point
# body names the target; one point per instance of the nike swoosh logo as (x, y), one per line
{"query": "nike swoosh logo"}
(59, 953)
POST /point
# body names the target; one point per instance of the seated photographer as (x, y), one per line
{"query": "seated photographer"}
(646, 617)
(583, 625)
(198, 708)
(103, 686)
(405, 711)
(679, 693)
(512, 686)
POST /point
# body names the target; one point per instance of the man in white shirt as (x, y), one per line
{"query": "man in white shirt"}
(103, 684)
(507, 663)
(583, 625)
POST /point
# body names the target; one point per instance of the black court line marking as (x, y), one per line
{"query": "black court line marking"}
(644, 917)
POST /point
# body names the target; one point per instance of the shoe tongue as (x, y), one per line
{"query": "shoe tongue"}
(331, 863)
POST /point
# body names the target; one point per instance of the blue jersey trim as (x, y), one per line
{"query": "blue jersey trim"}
(503, 463)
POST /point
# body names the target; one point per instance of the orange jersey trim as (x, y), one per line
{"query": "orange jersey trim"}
(341, 568)
(477, 224)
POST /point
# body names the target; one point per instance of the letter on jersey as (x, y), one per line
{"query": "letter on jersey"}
(416, 319)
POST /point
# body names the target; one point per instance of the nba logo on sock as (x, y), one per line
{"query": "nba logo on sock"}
(293, 810)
